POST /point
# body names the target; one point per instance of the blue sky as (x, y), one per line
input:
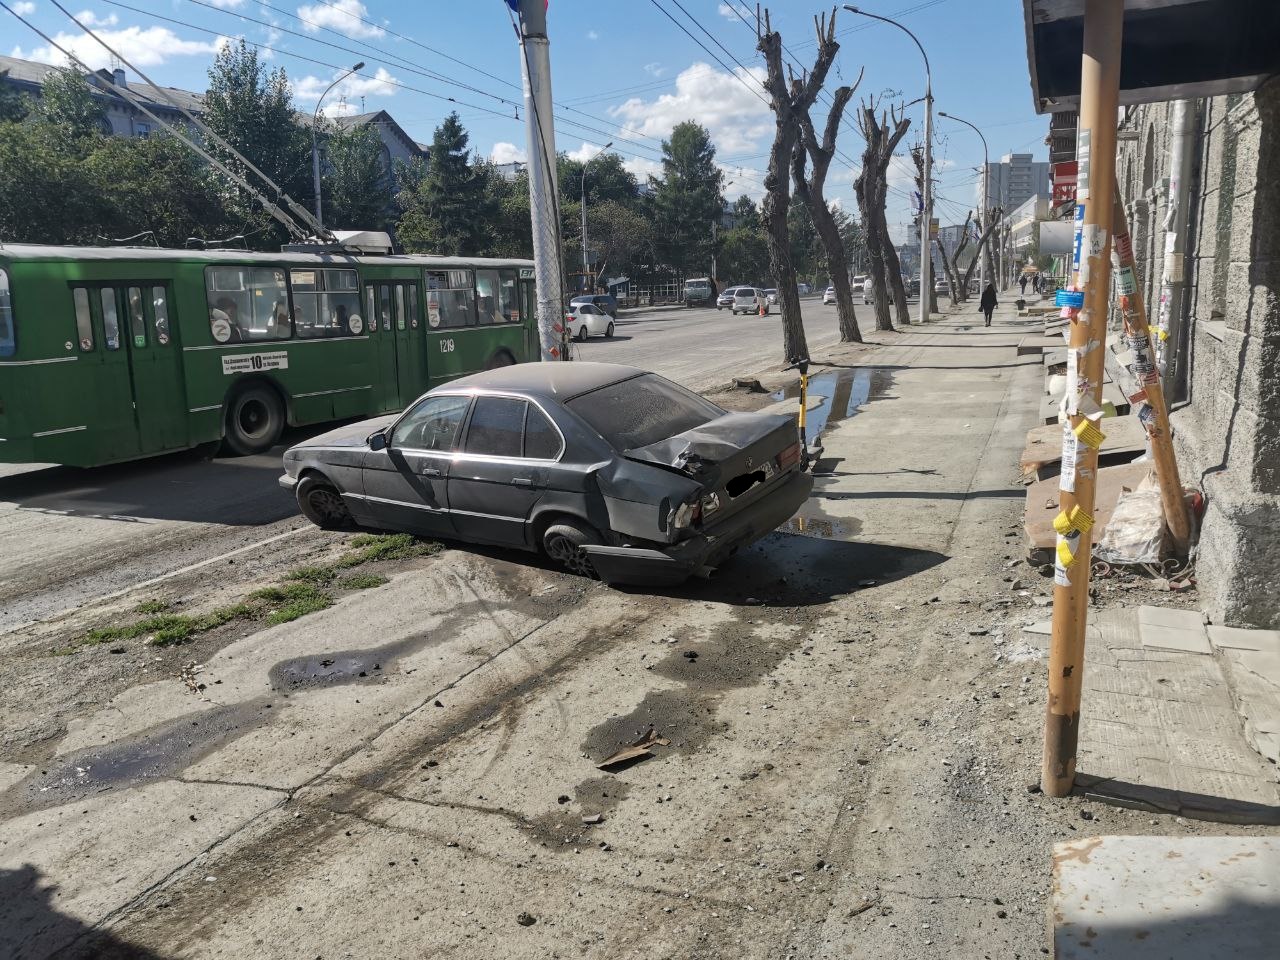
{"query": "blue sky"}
(621, 70)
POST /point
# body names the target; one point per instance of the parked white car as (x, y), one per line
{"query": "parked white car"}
(771, 294)
(749, 300)
(587, 320)
(829, 295)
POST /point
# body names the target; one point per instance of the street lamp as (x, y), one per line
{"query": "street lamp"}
(585, 266)
(926, 218)
(315, 150)
(982, 261)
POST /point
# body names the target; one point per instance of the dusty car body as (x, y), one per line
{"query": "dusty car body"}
(607, 468)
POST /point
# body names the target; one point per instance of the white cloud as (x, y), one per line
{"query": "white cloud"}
(24, 8)
(584, 153)
(145, 47)
(726, 104)
(642, 169)
(730, 12)
(654, 69)
(91, 19)
(592, 35)
(504, 152)
(345, 16)
(227, 4)
(346, 94)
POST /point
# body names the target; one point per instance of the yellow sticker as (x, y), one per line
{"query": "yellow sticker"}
(1062, 523)
(1079, 520)
(1065, 557)
(1089, 435)
(1164, 334)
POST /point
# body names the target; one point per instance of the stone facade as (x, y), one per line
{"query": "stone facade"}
(1227, 418)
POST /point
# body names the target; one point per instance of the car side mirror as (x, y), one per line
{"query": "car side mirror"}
(377, 441)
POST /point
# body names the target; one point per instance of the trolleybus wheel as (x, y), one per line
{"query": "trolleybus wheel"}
(500, 359)
(255, 420)
(322, 504)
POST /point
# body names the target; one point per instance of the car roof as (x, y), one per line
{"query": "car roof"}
(554, 379)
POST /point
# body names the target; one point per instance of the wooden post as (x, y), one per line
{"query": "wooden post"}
(1154, 414)
(1086, 305)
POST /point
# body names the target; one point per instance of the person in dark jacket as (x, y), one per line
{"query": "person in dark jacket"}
(988, 302)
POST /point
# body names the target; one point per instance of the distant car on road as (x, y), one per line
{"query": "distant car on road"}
(942, 285)
(602, 300)
(726, 298)
(803, 289)
(587, 320)
(829, 295)
(858, 283)
(772, 294)
(608, 470)
(749, 300)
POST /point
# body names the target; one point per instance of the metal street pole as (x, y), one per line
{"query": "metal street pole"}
(1085, 303)
(1173, 282)
(926, 218)
(982, 261)
(544, 201)
(315, 150)
(585, 266)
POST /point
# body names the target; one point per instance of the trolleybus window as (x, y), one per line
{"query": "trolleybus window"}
(450, 298)
(326, 303)
(84, 319)
(399, 306)
(137, 318)
(247, 303)
(160, 304)
(8, 342)
(110, 321)
(413, 305)
(496, 291)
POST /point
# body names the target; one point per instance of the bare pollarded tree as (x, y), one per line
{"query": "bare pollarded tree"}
(790, 97)
(959, 293)
(883, 135)
(992, 220)
(810, 190)
(917, 157)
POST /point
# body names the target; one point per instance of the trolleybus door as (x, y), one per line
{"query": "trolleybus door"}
(155, 360)
(381, 309)
(399, 342)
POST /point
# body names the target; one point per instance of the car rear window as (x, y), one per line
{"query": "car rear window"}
(642, 410)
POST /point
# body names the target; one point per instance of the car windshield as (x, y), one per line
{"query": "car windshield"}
(642, 410)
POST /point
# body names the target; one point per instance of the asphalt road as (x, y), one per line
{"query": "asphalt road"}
(70, 536)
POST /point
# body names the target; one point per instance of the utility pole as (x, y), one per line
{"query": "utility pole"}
(1153, 413)
(315, 149)
(1168, 345)
(585, 263)
(1085, 303)
(544, 202)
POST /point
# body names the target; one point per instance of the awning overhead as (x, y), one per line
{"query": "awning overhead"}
(1172, 49)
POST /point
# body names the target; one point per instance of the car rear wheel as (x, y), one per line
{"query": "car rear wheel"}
(608, 331)
(255, 420)
(322, 504)
(582, 333)
(563, 542)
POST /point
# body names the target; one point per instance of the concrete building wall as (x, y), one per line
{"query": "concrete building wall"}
(1227, 431)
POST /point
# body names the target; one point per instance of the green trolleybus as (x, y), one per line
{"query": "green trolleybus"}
(110, 354)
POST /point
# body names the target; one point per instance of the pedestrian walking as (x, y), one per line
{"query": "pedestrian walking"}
(988, 303)
(1022, 284)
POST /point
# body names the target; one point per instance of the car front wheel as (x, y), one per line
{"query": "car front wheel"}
(608, 331)
(322, 504)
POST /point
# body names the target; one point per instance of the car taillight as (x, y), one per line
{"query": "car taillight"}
(789, 457)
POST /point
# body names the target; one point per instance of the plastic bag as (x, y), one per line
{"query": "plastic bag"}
(1135, 532)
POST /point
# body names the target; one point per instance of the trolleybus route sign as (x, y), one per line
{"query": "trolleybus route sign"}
(249, 362)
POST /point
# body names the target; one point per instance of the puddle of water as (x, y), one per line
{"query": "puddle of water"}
(327, 670)
(841, 392)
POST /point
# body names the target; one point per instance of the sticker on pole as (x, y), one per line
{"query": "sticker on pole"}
(1089, 434)
(1069, 298)
(1070, 446)
(1126, 283)
(1084, 144)
(250, 362)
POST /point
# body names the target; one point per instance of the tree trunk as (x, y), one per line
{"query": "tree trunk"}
(778, 242)
(949, 269)
(871, 186)
(832, 244)
(893, 266)
(983, 250)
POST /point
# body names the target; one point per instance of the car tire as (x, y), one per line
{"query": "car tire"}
(563, 541)
(608, 331)
(581, 335)
(322, 504)
(254, 420)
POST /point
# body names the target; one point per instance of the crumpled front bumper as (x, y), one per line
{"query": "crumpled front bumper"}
(674, 564)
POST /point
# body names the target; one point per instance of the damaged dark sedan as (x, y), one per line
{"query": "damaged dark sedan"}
(609, 470)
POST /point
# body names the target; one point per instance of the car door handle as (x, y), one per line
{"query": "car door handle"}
(522, 481)
(430, 472)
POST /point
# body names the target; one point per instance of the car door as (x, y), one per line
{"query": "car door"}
(406, 482)
(492, 484)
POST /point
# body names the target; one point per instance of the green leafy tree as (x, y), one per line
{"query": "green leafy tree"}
(607, 180)
(252, 109)
(806, 245)
(687, 200)
(46, 194)
(446, 200)
(68, 102)
(356, 181)
(511, 229)
(14, 106)
(746, 213)
(744, 255)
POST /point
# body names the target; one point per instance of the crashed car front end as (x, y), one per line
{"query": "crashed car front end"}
(683, 505)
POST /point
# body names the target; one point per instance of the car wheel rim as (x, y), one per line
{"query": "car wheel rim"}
(569, 555)
(328, 505)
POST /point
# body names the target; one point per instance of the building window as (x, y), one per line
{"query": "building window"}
(142, 129)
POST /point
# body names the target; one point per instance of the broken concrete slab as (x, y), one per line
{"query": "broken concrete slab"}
(1042, 506)
(1164, 628)
(1255, 689)
(1172, 898)
(1237, 638)
(1159, 731)
(1114, 404)
(1126, 438)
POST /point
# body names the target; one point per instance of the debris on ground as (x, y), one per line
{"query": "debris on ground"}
(526, 919)
(641, 748)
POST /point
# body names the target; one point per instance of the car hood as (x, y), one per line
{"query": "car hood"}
(352, 435)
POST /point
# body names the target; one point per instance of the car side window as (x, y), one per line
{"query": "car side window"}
(431, 425)
(496, 427)
(541, 441)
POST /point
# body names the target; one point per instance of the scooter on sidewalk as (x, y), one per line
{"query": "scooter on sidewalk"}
(808, 455)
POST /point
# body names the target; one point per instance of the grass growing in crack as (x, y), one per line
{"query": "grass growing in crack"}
(300, 594)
